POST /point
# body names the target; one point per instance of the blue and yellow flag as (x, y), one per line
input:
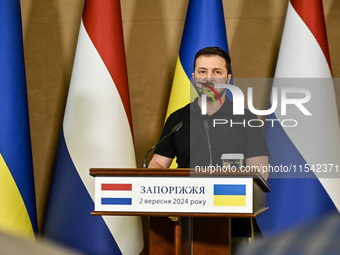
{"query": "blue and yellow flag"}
(229, 195)
(204, 27)
(17, 195)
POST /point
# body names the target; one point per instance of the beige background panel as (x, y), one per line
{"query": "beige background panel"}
(152, 34)
(50, 30)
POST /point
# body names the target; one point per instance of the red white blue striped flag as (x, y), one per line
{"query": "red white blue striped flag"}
(116, 194)
(97, 132)
(315, 140)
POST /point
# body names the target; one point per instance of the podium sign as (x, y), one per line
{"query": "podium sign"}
(178, 192)
(174, 194)
(200, 206)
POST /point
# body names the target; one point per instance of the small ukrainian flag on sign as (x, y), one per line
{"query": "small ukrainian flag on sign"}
(229, 195)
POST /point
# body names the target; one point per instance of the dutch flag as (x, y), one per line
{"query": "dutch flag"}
(304, 58)
(97, 132)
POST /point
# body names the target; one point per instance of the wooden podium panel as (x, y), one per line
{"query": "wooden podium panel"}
(198, 236)
(188, 228)
(162, 236)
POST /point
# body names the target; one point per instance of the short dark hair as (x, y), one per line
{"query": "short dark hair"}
(210, 51)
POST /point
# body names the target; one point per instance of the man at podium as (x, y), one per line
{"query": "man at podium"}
(201, 139)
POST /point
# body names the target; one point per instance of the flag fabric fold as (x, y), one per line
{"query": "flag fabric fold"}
(17, 194)
(97, 132)
(316, 139)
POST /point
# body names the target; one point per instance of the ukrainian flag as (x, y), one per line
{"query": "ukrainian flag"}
(17, 195)
(229, 195)
(204, 27)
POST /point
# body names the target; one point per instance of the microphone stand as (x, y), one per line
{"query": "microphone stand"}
(206, 128)
(173, 130)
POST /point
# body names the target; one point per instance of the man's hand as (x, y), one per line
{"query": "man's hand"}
(261, 162)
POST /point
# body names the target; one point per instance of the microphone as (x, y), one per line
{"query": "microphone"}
(206, 128)
(173, 130)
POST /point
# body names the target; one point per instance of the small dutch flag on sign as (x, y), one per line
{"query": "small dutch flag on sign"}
(116, 194)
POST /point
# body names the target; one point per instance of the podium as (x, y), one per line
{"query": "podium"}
(190, 211)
